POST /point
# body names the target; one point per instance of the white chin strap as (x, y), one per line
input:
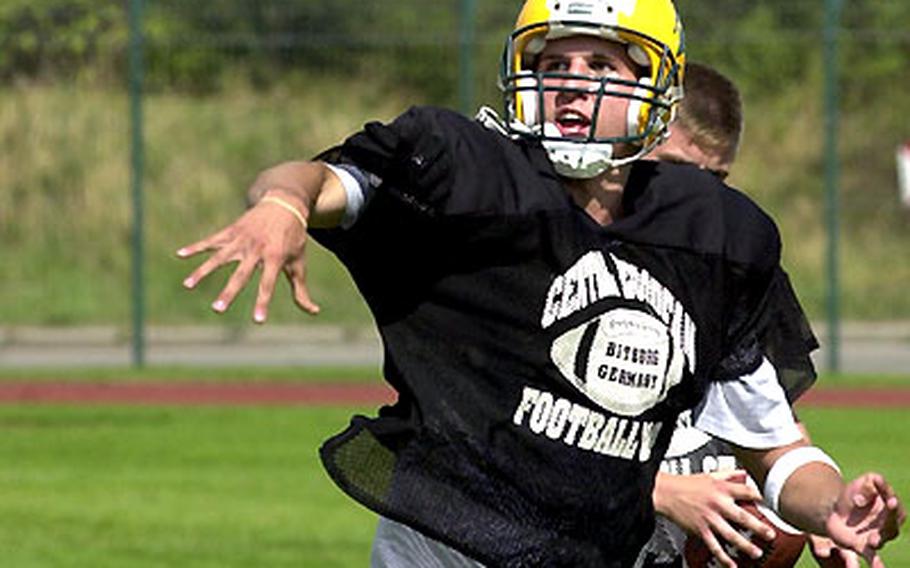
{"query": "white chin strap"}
(583, 160)
(575, 159)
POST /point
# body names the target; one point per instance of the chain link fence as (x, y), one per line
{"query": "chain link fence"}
(229, 87)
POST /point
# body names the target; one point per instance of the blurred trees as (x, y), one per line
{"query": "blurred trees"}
(196, 46)
(50, 39)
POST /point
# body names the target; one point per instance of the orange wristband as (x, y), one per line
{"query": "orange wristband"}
(282, 203)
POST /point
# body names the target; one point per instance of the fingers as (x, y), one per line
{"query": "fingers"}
(717, 551)
(734, 484)
(900, 516)
(821, 547)
(876, 492)
(238, 280)
(849, 558)
(730, 535)
(829, 555)
(267, 283)
(872, 488)
(296, 274)
(872, 485)
(199, 246)
(731, 475)
(265, 236)
(893, 504)
(222, 256)
(193, 249)
(203, 270)
(731, 511)
(742, 492)
(749, 521)
(869, 518)
(736, 538)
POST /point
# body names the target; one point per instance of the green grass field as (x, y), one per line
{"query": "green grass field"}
(118, 486)
(867, 440)
(190, 487)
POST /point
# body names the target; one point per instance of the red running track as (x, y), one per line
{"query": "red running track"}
(184, 393)
(196, 393)
(856, 397)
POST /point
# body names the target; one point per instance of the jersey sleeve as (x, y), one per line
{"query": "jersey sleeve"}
(766, 320)
(752, 258)
(402, 172)
(410, 157)
(787, 339)
(357, 189)
(751, 411)
(776, 329)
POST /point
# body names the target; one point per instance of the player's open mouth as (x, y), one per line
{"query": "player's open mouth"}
(573, 124)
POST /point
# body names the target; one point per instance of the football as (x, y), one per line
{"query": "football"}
(781, 552)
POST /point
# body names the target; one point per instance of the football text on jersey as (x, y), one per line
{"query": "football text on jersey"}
(574, 425)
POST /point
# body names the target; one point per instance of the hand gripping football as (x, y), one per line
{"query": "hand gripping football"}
(781, 552)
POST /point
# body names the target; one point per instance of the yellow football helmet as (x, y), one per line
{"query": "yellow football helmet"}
(653, 33)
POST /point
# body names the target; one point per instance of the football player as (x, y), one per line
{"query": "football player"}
(548, 304)
(700, 497)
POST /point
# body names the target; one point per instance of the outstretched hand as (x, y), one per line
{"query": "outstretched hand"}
(829, 555)
(268, 237)
(706, 505)
(866, 516)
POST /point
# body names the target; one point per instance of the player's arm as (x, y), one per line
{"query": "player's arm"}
(823, 548)
(314, 187)
(806, 488)
(706, 505)
(808, 495)
(799, 481)
(272, 234)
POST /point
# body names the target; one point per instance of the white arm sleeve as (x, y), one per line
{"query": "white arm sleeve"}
(751, 411)
(358, 188)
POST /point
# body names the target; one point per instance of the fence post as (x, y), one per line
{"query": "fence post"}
(137, 167)
(466, 56)
(832, 176)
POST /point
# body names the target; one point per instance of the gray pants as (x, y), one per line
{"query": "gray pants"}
(399, 546)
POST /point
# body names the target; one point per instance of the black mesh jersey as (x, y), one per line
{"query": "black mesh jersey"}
(540, 358)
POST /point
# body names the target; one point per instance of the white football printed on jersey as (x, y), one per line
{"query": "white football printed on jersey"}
(624, 360)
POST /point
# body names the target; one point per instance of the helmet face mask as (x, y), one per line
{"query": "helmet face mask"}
(651, 99)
